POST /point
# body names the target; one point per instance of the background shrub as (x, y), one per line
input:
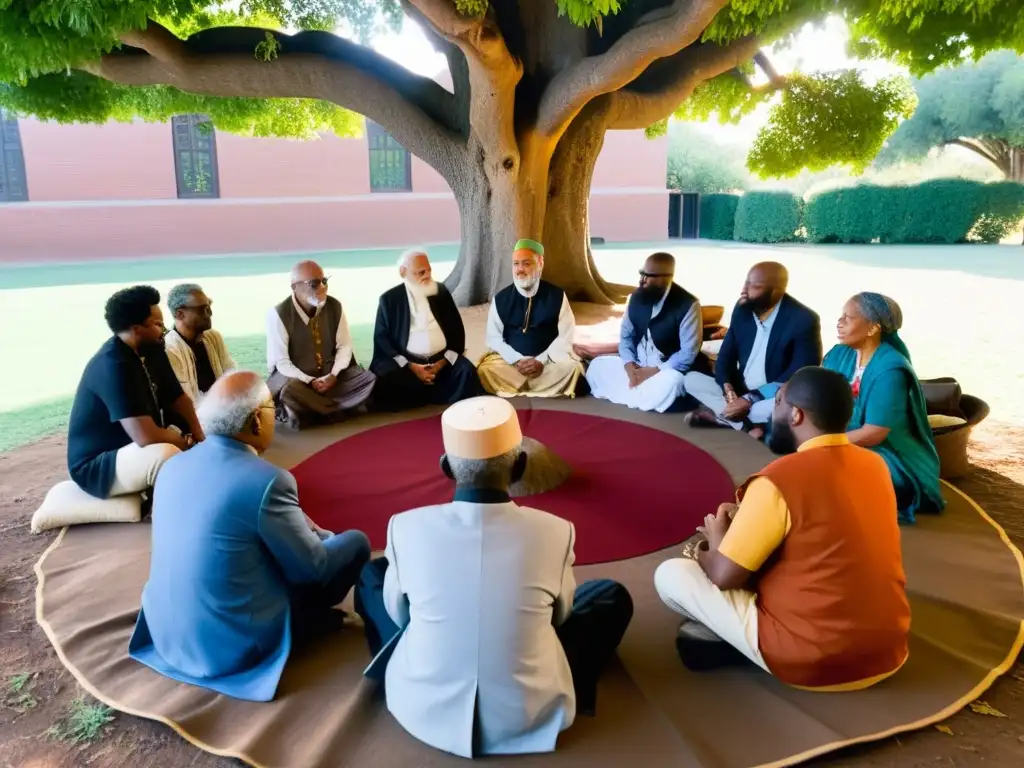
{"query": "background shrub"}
(718, 216)
(768, 217)
(937, 211)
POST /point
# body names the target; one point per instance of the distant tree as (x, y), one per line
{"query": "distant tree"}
(978, 106)
(699, 163)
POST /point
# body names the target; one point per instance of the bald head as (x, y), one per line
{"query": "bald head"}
(239, 405)
(306, 270)
(764, 287)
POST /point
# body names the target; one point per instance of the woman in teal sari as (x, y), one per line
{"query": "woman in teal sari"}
(889, 412)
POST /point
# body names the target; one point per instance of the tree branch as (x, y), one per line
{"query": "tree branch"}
(659, 34)
(977, 147)
(493, 75)
(222, 61)
(668, 82)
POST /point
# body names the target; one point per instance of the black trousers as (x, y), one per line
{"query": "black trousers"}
(399, 390)
(601, 612)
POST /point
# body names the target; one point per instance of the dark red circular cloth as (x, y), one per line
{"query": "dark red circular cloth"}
(633, 489)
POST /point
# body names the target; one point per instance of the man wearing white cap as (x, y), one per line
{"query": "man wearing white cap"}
(498, 648)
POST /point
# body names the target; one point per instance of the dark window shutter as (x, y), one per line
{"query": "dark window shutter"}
(390, 162)
(195, 156)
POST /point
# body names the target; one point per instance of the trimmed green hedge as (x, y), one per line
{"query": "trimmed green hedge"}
(718, 216)
(938, 211)
(768, 217)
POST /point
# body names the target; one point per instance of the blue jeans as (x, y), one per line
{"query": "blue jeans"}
(601, 612)
(311, 605)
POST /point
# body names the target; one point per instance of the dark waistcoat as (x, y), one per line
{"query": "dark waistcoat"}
(530, 324)
(311, 347)
(665, 325)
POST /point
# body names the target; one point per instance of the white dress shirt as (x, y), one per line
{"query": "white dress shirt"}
(754, 376)
(277, 345)
(426, 338)
(559, 350)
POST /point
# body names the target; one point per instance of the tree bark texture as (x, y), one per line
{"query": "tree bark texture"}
(516, 140)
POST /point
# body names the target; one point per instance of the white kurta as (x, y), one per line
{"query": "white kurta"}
(608, 380)
(480, 589)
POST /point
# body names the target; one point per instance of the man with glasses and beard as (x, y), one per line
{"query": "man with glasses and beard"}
(419, 342)
(771, 336)
(197, 353)
(659, 343)
(129, 414)
(314, 376)
(805, 577)
(530, 329)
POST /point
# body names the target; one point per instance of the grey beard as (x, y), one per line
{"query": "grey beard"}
(527, 283)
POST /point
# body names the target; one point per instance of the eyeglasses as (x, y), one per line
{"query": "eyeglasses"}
(202, 309)
(315, 283)
(653, 275)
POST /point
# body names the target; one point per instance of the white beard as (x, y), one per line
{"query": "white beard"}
(420, 290)
(527, 284)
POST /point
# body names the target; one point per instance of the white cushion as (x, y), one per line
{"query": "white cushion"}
(939, 420)
(67, 504)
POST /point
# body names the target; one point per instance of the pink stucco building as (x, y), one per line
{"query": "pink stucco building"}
(75, 192)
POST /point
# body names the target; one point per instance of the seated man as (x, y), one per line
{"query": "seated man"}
(129, 414)
(805, 578)
(530, 327)
(238, 577)
(197, 353)
(771, 336)
(419, 343)
(498, 648)
(659, 342)
(314, 375)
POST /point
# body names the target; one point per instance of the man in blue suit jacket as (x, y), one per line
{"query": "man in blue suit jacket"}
(239, 575)
(771, 336)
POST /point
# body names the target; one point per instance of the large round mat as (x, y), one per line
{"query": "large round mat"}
(633, 489)
(964, 581)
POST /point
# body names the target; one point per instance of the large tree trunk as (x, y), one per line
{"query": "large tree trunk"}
(546, 200)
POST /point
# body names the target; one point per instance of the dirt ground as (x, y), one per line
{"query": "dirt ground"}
(26, 474)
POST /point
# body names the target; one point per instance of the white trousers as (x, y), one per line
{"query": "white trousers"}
(608, 381)
(706, 390)
(732, 615)
(137, 467)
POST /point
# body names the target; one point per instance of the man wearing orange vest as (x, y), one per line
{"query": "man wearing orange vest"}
(805, 577)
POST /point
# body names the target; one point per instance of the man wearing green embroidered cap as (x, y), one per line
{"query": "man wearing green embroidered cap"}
(530, 328)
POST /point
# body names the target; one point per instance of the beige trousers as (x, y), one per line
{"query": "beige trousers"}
(556, 380)
(137, 467)
(732, 615)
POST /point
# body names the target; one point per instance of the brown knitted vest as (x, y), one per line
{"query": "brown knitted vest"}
(311, 347)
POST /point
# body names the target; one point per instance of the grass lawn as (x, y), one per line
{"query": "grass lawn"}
(958, 303)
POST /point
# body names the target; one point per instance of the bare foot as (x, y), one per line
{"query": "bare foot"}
(757, 433)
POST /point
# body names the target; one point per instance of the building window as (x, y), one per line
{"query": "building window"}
(13, 185)
(390, 162)
(195, 156)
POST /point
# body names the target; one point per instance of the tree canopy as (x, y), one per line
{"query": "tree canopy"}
(535, 86)
(978, 106)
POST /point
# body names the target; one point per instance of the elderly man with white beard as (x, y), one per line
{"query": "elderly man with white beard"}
(530, 328)
(314, 376)
(419, 342)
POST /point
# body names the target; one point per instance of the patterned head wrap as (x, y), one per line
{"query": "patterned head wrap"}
(884, 311)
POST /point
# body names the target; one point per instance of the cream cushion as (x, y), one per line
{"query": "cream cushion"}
(939, 420)
(67, 504)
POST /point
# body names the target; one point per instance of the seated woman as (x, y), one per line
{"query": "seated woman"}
(889, 413)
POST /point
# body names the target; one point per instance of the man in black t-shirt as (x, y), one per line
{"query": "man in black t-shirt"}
(130, 414)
